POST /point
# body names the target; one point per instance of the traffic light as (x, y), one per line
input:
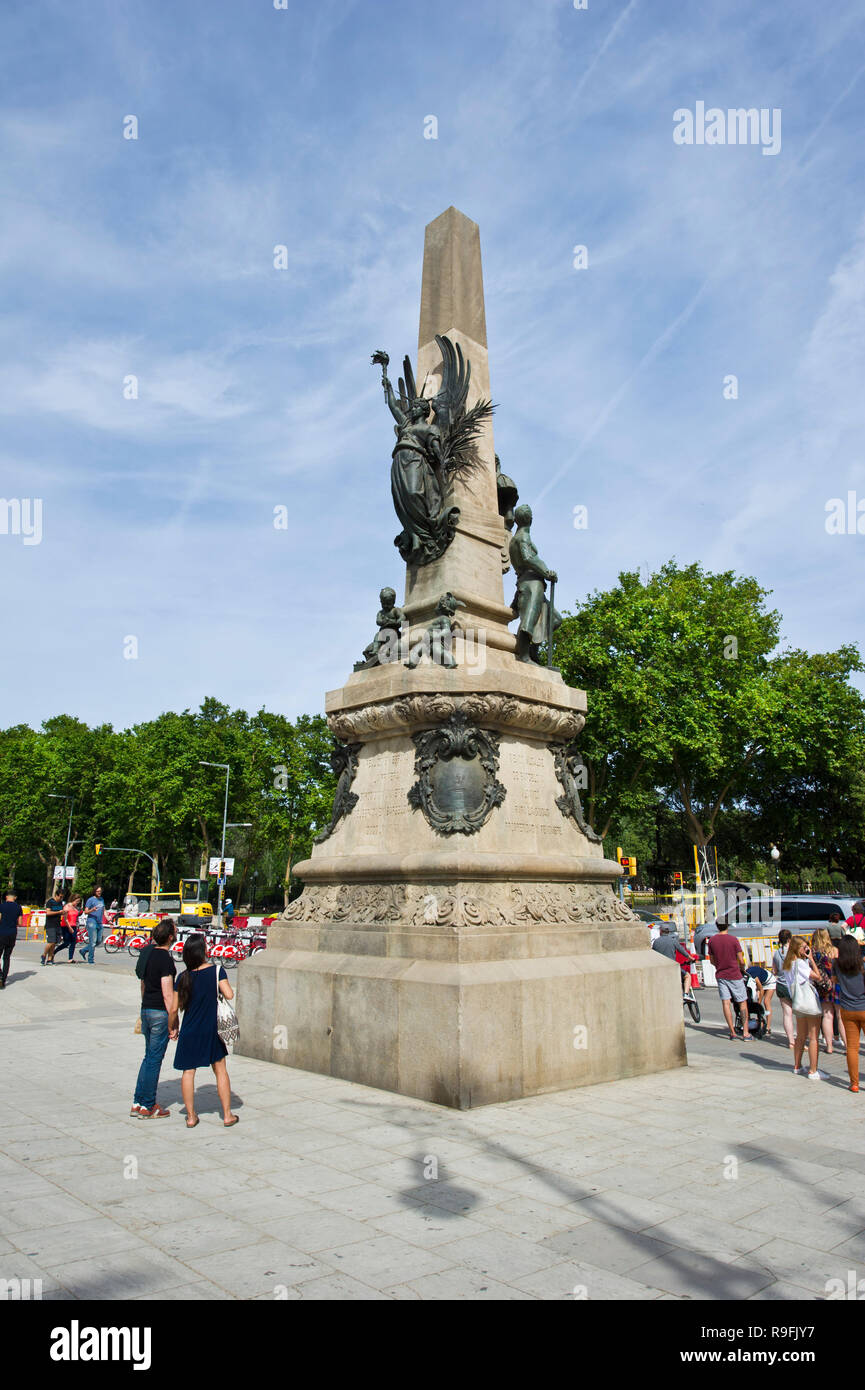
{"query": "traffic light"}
(629, 864)
(99, 849)
(677, 880)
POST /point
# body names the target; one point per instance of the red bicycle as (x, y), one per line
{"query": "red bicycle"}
(233, 947)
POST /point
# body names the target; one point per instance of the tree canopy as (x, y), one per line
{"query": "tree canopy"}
(694, 710)
(144, 788)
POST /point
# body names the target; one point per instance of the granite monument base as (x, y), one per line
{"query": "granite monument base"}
(463, 1018)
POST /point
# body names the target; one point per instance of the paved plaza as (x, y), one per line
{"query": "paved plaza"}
(698, 1183)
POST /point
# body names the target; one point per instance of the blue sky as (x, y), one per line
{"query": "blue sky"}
(305, 127)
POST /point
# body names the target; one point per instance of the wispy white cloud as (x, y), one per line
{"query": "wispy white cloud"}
(259, 128)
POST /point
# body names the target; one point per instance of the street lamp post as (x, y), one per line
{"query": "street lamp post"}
(227, 769)
(239, 825)
(775, 855)
(62, 796)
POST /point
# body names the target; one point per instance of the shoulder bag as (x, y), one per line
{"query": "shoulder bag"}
(227, 1025)
(805, 999)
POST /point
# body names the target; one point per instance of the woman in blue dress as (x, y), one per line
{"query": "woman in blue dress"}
(199, 1044)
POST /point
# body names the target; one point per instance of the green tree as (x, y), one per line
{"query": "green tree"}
(296, 791)
(807, 788)
(145, 788)
(679, 701)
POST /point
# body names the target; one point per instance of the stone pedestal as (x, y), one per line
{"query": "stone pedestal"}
(460, 961)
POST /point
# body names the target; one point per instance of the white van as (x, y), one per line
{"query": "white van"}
(800, 913)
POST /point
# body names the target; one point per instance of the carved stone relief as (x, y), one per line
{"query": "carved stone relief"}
(441, 905)
(410, 711)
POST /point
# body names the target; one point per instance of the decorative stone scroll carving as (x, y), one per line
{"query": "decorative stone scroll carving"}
(506, 711)
(441, 909)
(560, 902)
(456, 765)
(357, 902)
(569, 763)
(466, 905)
(343, 760)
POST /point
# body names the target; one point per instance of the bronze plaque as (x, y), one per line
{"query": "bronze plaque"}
(458, 785)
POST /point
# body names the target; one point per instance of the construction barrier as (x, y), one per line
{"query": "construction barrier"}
(33, 922)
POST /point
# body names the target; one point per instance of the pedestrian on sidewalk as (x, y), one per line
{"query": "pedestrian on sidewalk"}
(158, 1019)
(801, 976)
(856, 922)
(95, 910)
(823, 954)
(54, 909)
(199, 1044)
(760, 984)
(69, 928)
(729, 960)
(850, 980)
(11, 913)
(781, 989)
(667, 943)
(837, 930)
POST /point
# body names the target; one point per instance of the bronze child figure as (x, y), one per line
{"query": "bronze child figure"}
(384, 647)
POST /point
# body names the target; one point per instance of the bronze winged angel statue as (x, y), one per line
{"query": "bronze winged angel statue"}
(431, 452)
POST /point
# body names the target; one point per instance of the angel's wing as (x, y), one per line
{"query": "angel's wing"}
(460, 427)
(407, 387)
(450, 401)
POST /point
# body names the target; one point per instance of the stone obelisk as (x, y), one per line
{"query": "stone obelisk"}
(458, 938)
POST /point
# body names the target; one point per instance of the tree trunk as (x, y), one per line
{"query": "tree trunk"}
(204, 861)
(239, 890)
(132, 872)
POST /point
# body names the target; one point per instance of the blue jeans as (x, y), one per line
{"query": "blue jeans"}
(154, 1027)
(94, 937)
(69, 940)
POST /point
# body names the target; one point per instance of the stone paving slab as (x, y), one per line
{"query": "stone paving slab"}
(693, 1184)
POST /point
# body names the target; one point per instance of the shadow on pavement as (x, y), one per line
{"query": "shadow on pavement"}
(16, 976)
(682, 1269)
(206, 1097)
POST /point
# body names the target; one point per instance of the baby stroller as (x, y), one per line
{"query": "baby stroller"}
(756, 1012)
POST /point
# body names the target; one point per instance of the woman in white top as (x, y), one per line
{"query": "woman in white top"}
(784, 938)
(800, 974)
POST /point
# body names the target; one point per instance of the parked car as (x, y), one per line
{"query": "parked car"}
(765, 915)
